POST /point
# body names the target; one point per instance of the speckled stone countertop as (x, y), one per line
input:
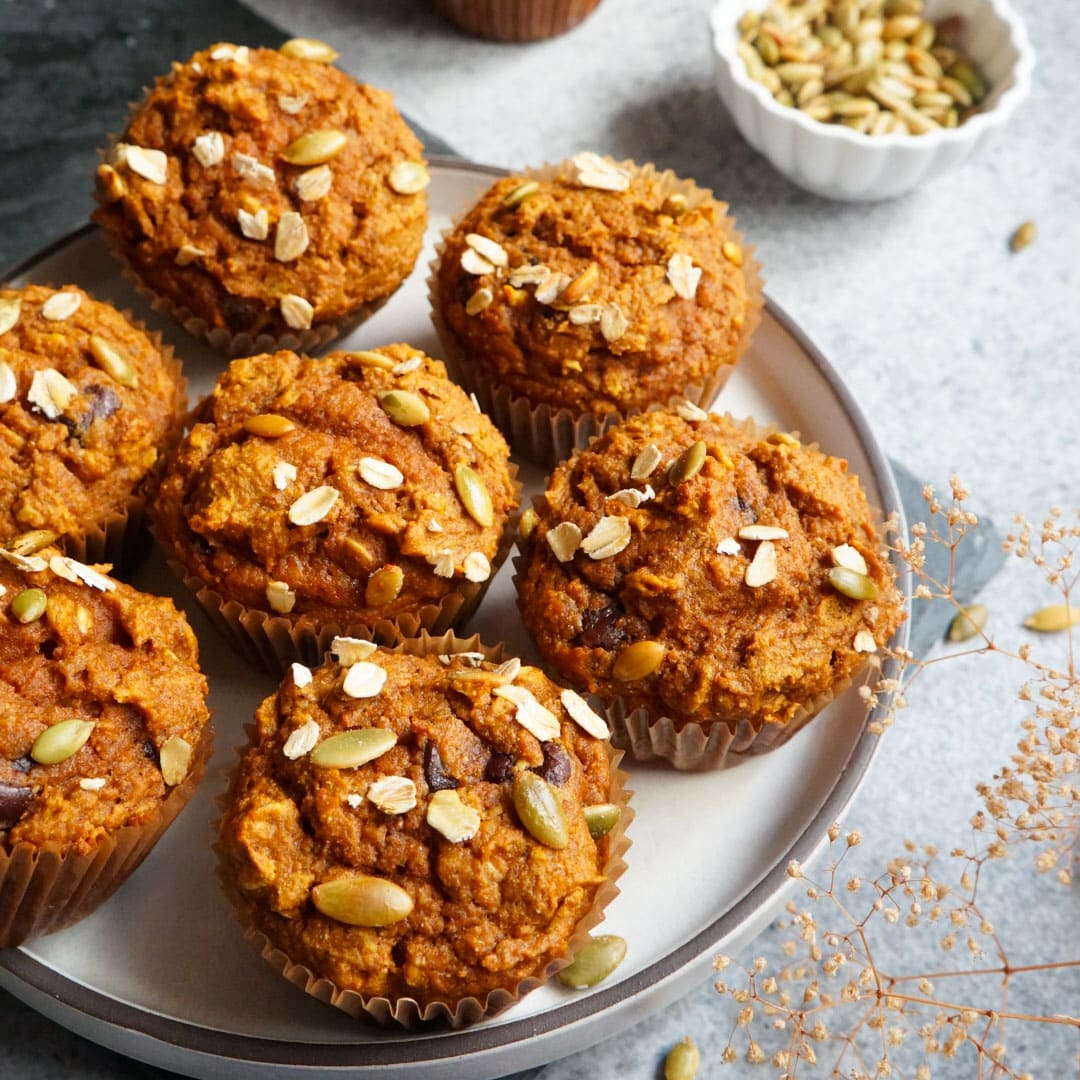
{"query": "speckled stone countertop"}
(964, 356)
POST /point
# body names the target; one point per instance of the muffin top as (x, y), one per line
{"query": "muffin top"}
(356, 487)
(592, 299)
(414, 826)
(704, 572)
(88, 404)
(265, 192)
(102, 704)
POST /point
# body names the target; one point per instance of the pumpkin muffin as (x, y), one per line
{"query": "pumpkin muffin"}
(90, 403)
(104, 734)
(265, 196)
(591, 291)
(725, 583)
(359, 491)
(430, 834)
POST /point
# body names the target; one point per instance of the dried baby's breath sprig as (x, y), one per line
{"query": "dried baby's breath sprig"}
(840, 989)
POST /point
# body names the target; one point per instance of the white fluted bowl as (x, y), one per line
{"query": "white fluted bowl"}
(838, 163)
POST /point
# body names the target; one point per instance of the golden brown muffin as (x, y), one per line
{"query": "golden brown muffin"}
(89, 404)
(413, 827)
(705, 573)
(346, 490)
(594, 300)
(104, 733)
(265, 193)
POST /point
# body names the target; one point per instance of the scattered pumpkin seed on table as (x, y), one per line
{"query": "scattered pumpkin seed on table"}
(968, 622)
(683, 1061)
(1023, 236)
(1053, 618)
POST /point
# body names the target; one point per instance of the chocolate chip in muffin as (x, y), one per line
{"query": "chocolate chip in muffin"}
(434, 770)
(14, 799)
(557, 766)
(500, 768)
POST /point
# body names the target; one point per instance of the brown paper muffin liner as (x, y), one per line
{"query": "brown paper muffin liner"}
(273, 642)
(698, 747)
(515, 20)
(541, 432)
(407, 1012)
(702, 747)
(44, 889)
(119, 539)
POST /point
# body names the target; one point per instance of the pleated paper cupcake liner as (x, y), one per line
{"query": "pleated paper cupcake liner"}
(515, 20)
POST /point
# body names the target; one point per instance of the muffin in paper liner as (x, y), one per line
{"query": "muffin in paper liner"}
(300, 313)
(547, 432)
(399, 517)
(116, 536)
(516, 20)
(47, 888)
(409, 1012)
(91, 775)
(641, 724)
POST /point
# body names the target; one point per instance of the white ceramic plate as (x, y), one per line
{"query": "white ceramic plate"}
(162, 973)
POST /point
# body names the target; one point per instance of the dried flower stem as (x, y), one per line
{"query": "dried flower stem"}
(881, 1024)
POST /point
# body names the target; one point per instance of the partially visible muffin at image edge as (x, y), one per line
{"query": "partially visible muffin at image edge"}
(104, 734)
(90, 404)
(264, 195)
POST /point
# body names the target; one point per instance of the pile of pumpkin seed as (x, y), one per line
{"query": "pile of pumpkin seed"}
(876, 66)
